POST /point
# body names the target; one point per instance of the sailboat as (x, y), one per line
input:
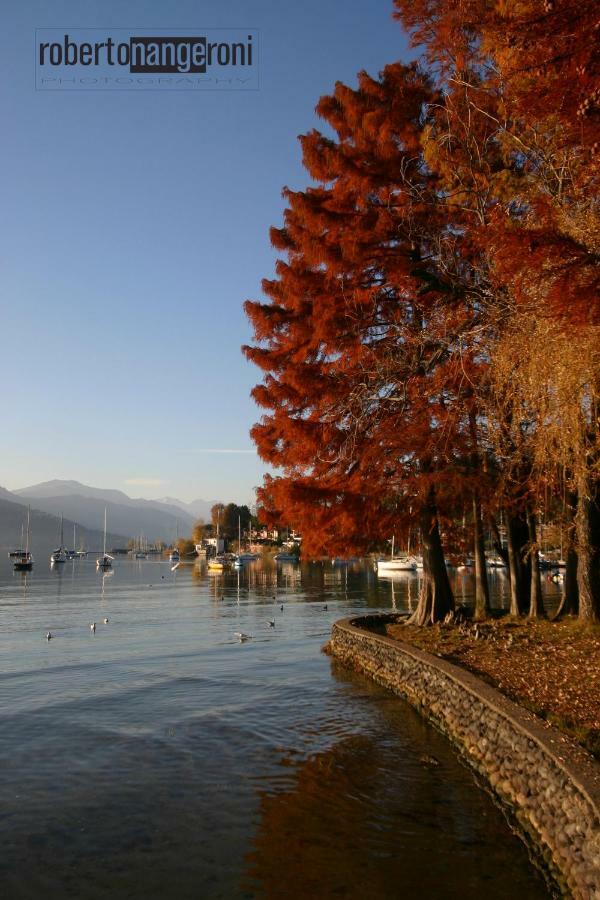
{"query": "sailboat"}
(71, 554)
(396, 563)
(59, 555)
(20, 552)
(24, 562)
(105, 561)
(242, 558)
(220, 561)
(174, 555)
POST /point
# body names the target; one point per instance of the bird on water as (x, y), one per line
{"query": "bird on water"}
(93, 627)
(48, 636)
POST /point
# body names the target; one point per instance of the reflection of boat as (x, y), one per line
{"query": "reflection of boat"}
(397, 575)
(105, 561)
(60, 554)
(464, 567)
(24, 561)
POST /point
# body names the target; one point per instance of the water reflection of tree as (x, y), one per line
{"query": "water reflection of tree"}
(311, 840)
(369, 818)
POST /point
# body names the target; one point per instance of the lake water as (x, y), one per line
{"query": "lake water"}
(160, 757)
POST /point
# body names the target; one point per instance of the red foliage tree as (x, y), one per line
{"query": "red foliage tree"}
(363, 340)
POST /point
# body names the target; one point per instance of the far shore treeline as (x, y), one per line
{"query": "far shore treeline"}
(430, 341)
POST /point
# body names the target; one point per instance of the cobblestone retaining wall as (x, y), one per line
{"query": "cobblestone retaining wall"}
(550, 785)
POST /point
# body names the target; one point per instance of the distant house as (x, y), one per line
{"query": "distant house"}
(217, 545)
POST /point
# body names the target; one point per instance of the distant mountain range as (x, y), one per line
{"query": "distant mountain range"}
(198, 509)
(83, 506)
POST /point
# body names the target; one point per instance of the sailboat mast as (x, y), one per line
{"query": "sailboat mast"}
(104, 551)
(27, 544)
(393, 536)
(239, 534)
(62, 537)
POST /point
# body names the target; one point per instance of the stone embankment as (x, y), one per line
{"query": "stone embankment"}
(550, 786)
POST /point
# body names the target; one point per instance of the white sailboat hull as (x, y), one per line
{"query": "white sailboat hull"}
(399, 564)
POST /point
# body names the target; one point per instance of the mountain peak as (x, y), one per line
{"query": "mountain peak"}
(58, 487)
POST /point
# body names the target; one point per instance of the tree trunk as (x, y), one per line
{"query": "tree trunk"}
(569, 604)
(536, 603)
(435, 599)
(482, 592)
(587, 522)
(518, 570)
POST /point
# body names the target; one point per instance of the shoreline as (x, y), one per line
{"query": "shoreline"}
(547, 784)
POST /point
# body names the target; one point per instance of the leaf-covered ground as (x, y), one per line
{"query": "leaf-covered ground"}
(552, 669)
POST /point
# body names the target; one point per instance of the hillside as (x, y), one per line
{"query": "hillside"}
(126, 516)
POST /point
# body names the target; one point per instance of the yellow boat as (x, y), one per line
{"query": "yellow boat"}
(217, 563)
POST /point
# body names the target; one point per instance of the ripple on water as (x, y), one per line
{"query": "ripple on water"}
(159, 757)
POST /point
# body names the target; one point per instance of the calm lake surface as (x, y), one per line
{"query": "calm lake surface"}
(160, 757)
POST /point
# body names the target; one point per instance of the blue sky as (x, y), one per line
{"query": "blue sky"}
(132, 228)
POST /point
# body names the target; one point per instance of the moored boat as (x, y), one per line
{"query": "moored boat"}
(493, 561)
(24, 561)
(105, 561)
(396, 564)
(60, 554)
